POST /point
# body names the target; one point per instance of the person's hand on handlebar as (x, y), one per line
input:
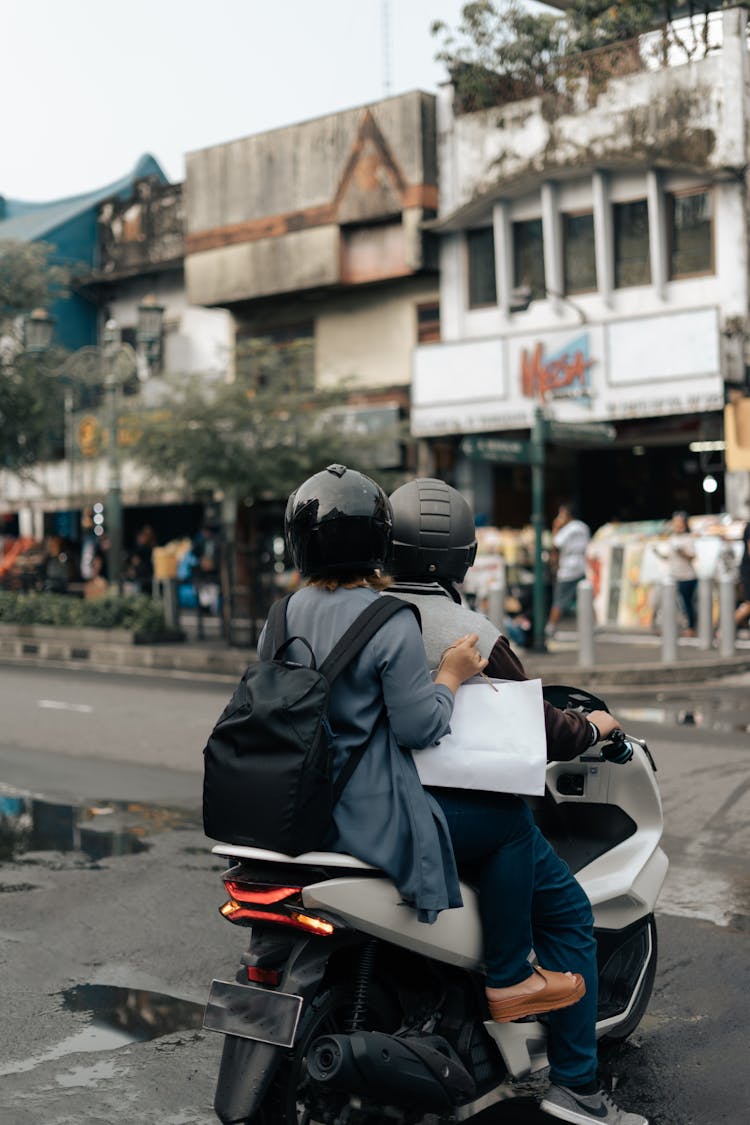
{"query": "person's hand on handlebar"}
(604, 723)
(460, 662)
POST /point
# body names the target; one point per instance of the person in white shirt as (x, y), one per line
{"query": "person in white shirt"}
(570, 539)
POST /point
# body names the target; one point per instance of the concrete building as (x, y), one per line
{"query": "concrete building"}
(70, 227)
(312, 236)
(135, 258)
(594, 263)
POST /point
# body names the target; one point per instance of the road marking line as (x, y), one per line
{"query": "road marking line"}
(61, 705)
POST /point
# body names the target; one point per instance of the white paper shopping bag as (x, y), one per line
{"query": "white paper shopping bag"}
(497, 740)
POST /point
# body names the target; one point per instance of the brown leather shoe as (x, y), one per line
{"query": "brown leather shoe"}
(560, 991)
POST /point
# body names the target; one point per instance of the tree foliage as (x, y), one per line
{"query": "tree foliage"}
(31, 393)
(253, 443)
(503, 52)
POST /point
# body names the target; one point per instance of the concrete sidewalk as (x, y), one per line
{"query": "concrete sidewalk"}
(620, 659)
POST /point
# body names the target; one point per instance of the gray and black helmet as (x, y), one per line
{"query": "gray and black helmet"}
(433, 532)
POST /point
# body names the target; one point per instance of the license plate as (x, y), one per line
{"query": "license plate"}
(252, 1013)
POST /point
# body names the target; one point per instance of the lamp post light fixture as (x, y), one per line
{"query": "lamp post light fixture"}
(149, 331)
(38, 331)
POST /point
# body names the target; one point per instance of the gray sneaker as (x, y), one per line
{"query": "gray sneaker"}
(561, 1102)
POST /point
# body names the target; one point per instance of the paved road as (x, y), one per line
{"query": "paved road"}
(146, 923)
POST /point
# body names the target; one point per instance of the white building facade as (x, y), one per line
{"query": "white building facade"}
(594, 264)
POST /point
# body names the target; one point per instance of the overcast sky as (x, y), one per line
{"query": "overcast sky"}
(86, 87)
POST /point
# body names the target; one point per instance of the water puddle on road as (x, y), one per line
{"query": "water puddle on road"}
(30, 824)
(709, 714)
(119, 1016)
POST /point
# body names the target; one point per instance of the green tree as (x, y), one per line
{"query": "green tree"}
(254, 443)
(503, 52)
(30, 391)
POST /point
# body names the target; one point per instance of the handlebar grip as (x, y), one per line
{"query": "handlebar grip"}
(617, 749)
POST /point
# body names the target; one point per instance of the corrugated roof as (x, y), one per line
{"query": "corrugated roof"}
(29, 222)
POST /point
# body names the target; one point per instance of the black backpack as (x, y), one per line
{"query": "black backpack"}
(267, 779)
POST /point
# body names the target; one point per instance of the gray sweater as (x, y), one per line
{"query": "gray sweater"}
(384, 816)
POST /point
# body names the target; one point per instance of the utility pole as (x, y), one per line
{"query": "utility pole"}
(537, 522)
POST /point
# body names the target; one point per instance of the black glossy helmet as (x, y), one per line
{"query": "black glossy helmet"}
(433, 532)
(338, 522)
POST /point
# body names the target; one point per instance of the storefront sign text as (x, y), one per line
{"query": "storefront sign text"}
(562, 374)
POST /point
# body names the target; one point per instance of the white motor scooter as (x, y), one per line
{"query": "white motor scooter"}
(348, 1011)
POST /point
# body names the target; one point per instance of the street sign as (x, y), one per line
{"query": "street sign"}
(506, 451)
(590, 433)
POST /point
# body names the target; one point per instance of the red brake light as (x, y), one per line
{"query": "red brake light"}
(252, 902)
(260, 894)
(263, 976)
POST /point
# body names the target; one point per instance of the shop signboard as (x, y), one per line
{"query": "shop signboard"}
(633, 367)
(505, 451)
(596, 433)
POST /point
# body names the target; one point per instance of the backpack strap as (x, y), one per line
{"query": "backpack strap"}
(275, 629)
(351, 643)
(362, 630)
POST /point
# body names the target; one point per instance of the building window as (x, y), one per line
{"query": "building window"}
(579, 260)
(481, 250)
(528, 258)
(428, 323)
(691, 233)
(281, 359)
(632, 260)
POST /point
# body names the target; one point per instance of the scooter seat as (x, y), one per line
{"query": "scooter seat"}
(307, 859)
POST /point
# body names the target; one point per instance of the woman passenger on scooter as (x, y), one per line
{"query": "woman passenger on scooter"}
(338, 529)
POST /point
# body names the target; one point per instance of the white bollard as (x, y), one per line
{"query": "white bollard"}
(727, 628)
(668, 620)
(705, 612)
(585, 616)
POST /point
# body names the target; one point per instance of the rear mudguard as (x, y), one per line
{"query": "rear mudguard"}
(247, 1068)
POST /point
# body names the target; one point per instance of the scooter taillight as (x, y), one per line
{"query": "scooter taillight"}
(261, 902)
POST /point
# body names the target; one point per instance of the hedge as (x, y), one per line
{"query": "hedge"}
(140, 614)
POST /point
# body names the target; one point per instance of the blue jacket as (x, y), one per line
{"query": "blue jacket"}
(384, 816)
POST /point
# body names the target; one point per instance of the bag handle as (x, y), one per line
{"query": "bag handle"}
(283, 647)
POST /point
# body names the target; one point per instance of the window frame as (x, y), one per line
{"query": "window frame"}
(577, 214)
(428, 330)
(615, 203)
(517, 283)
(484, 230)
(671, 195)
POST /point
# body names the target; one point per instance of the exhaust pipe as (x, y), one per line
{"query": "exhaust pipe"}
(411, 1071)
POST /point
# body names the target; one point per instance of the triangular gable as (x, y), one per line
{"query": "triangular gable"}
(372, 185)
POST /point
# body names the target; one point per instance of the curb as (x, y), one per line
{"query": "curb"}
(187, 660)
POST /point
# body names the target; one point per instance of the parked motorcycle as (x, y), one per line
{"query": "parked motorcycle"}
(348, 1011)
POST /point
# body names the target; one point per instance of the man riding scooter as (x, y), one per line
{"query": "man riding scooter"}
(434, 544)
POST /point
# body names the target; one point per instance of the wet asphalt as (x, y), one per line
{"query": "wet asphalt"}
(110, 933)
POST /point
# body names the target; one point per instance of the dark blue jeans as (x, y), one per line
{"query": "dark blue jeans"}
(528, 898)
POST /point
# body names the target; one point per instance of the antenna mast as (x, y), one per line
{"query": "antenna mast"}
(385, 22)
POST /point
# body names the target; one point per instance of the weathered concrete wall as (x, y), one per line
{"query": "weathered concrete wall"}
(276, 212)
(301, 166)
(301, 260)
(366, 338)
(691, 115)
